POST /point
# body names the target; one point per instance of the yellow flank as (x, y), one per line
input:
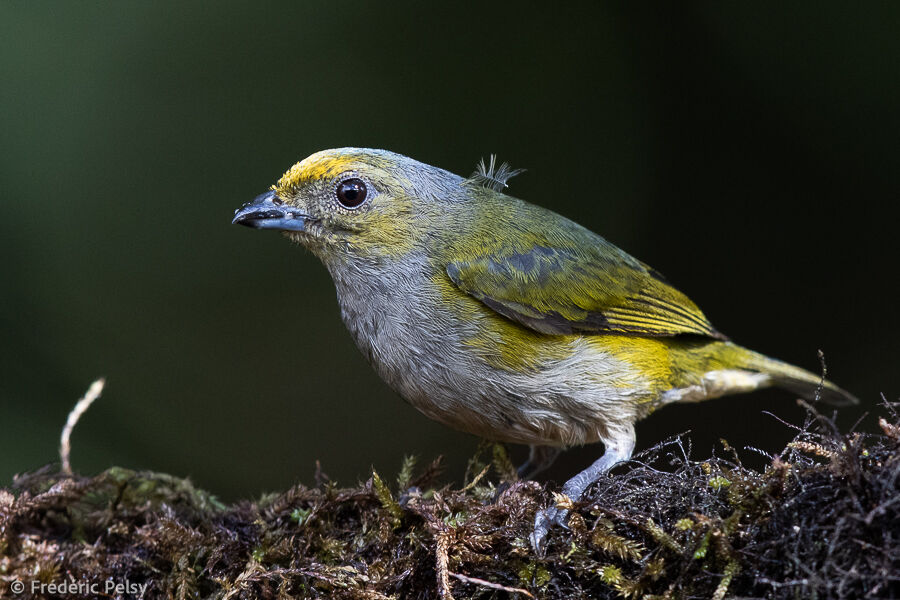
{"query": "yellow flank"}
(651, 357)
(500, 342)
(672, 362)
(509, 346)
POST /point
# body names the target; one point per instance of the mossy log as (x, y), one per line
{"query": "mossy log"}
(821, 521)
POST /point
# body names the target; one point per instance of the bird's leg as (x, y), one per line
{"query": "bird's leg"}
(539, 459)
(618, 449)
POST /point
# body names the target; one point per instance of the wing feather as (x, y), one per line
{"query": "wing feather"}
(582, 285)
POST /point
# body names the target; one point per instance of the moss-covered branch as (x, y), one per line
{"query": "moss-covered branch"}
(822, 520)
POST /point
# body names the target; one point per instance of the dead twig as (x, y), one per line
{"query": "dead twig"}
(65, 447)
(491, 585)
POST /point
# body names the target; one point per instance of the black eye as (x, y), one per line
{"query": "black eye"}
(351, 192)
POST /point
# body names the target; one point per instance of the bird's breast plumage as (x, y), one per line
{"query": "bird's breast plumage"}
(466, 366)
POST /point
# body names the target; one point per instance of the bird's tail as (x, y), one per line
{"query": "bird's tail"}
(726, 368)
(794, 379)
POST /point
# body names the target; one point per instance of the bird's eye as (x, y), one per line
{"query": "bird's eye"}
(351, 192)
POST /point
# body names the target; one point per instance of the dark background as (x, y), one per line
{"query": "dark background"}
(750, 153)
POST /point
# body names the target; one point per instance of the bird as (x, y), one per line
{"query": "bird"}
(504, 319)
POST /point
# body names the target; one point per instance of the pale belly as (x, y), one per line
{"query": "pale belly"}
(571, 401)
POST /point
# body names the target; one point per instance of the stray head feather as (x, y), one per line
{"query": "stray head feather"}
(493, 177)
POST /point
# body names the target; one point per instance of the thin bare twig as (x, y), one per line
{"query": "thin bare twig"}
(491, 585)
(65, 447)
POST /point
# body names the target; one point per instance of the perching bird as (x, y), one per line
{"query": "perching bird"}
(502, 318)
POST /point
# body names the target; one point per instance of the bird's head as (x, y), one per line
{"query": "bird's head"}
(356, 203)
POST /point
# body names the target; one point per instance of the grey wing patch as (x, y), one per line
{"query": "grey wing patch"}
(518, 271)
(550, 323)
(561, 291)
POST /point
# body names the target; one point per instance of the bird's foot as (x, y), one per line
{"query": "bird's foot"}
(546, 518)
(617, 450)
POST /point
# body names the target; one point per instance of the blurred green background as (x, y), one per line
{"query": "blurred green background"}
(749, 152)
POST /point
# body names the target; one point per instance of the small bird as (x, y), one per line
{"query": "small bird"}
(504, 319)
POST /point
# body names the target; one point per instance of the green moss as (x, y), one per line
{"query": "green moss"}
(387, 500)
(818, 522)
(299, 515)
(718, 483)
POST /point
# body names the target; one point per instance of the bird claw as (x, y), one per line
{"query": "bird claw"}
(543, 521)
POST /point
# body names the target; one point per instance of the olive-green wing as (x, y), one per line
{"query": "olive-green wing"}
(579, 286)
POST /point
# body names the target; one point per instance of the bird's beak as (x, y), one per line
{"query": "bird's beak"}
(268, 211)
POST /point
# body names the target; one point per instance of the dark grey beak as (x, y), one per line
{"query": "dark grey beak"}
(268, 211)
